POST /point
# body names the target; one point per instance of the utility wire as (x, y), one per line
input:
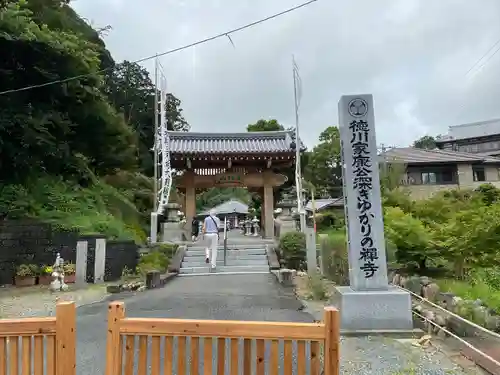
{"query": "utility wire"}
(482, 57)
(487, 60)
(201, 41)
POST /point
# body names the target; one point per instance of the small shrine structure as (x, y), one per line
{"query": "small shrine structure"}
(252, 159)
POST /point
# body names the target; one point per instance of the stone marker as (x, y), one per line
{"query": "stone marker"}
(81, 263)
(368, 303)
(153, 235)
(100, 260)
(312, 264)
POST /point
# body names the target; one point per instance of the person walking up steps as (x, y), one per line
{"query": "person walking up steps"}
(211, 231)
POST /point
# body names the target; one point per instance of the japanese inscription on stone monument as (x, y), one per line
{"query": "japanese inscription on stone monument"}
(367, 260)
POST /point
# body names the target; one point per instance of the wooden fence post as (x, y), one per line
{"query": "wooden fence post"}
(66, 338)
(332, 341)
(116, 312)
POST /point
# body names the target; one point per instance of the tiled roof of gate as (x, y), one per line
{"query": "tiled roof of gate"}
(251, 142)
(420, 156)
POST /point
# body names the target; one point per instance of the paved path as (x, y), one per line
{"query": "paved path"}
(229, 297)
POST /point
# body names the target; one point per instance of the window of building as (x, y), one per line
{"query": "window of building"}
(478, 173)
(447, 176)
(429, 178)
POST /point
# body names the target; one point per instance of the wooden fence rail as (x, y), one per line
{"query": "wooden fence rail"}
(159, 343)
(39, 345)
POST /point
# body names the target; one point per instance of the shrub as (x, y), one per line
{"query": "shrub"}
(293, 249)
(316, 287)
(334, 257)
(153, 261)
(167, 249)
(329, 219)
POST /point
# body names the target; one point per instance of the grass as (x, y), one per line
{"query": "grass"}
(472, 291)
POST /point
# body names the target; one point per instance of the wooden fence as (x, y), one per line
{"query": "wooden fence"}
(317, 345)
(32, 345)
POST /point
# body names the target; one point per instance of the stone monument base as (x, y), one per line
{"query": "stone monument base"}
(380, 310)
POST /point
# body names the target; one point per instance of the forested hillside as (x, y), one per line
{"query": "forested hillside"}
(77, 152)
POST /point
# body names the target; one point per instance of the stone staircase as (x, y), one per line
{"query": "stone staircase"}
(240, 259)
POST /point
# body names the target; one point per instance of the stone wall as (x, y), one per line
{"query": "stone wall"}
(31, 242)
(120, 254)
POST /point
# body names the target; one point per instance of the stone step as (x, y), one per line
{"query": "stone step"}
(230, 246)
(224, 269)
(229, 262)
(229, 256)
(240, 252)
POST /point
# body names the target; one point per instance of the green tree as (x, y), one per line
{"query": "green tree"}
(410, 237)
(61, 129)
(131, 91)
(427, 142)
(265, 126)
(324, 168)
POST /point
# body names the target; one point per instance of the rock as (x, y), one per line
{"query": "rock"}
(418, 308)
(480, 314)
(454, 304)
(402, 281)
(413, 285)
(396, 279)
(429, 315)
(440, 320)
(478, 302)
(142, 288)
(113, 289)
(430, 292)
(492, 322)
(424, 280)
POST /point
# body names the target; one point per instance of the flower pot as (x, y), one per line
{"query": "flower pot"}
(25, 280)
(70, 279)
(45, 279)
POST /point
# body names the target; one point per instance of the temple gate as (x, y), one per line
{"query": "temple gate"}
(253, 160)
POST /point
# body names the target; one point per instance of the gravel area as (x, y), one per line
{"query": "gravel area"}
(39, 301)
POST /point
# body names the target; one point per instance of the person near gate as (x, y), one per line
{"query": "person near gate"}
(195, 229)
(211, 226)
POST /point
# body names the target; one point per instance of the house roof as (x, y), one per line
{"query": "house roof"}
(471, 130)
(249, 142)
(412, 155)
(321, 204)
(229, 207)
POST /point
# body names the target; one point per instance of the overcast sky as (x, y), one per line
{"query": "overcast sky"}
(412, 55)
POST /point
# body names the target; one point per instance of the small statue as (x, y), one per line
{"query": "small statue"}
(58, 283)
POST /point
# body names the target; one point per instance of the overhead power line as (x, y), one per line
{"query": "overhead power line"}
(482, 58)
(201, 41)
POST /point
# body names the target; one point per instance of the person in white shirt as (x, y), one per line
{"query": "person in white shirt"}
(211, 231)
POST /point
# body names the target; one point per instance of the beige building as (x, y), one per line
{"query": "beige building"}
(430, 171)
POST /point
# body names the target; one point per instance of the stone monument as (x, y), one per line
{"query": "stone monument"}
(172, 231)
(368, 303)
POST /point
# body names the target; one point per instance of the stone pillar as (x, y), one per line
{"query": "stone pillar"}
(268, 211)
(81, 263)
(368, 303)
(190, 204)
(100, 260)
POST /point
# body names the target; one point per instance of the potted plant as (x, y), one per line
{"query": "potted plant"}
(69, 273)
(26, 275)
(45, 277)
